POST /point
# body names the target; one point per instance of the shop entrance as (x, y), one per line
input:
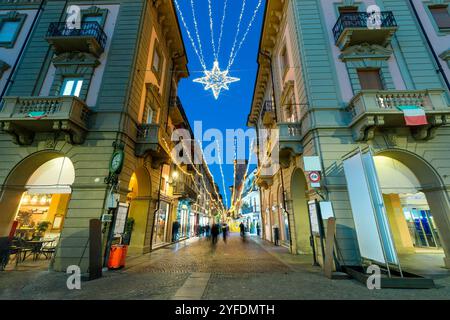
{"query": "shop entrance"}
(140, 217)
(417, 209)
(33, 208)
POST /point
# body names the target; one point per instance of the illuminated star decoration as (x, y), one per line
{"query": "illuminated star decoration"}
(216, 80)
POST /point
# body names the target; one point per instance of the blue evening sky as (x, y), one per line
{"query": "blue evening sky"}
(231, 109)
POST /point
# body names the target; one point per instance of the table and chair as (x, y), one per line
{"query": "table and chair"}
(20, 250)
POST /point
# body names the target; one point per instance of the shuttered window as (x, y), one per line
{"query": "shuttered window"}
(370, 79)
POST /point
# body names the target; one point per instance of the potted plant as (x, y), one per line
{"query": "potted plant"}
(41, 228)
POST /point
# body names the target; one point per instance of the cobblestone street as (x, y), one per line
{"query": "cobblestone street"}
(195, 269)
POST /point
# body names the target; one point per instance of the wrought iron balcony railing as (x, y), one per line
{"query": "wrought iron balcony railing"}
(359, 21)
(89, 37)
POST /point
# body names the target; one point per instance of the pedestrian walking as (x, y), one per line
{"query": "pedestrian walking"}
(214, 233)
(224, 232)
(276, 235)
(175, 227)
(242, 229)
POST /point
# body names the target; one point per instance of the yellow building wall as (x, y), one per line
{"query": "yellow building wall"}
(399, 226)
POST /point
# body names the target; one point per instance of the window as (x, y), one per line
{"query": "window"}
(370, 79)
(7, 30)
(349, 9)
(71, 87)
(98, 19)
(10, 25)
(284, 63)
(157, 61)
(149, 115)
(441, 16)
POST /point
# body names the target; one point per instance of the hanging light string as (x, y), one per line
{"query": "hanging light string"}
(221, 28)
(214, 202)
(202, 62)
(211, 27)
(197, 33)
(207, 168)
(255, 12)
(221, 172)
(233, 48)
(239, 198)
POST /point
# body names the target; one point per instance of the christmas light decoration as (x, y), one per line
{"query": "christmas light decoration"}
(216, 80)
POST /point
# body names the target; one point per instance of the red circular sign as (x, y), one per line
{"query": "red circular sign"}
(314, 176)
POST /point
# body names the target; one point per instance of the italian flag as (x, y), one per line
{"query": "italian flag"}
(414, 115)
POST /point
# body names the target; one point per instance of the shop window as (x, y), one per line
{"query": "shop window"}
(370, 79)
(10, 26)
(441, 16)
(71, 87)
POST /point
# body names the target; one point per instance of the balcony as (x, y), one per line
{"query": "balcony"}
(153, 140)
(264, 180)
(89, 38)
(22, 117)
(352, 29)
(289, 142)
(372, 109)
(268, 113)
(184, 188)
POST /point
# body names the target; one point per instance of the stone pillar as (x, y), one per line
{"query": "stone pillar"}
(9, 204)
(86, 203)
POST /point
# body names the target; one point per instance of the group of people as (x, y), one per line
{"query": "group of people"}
(216, 229)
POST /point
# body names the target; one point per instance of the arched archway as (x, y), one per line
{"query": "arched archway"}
(18, 182)
(299, 188)
(433, 211)
(34, 203)
(140, 211)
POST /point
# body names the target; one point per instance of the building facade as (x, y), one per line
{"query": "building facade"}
(88, 112)
(250, 210)
(332, 86)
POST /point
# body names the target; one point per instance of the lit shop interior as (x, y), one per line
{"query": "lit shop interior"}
(410, 218)
(37, 225)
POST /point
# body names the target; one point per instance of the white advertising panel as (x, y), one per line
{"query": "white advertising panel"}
(380, 209)
(121, 219)
(315, 228)
(326, 210)
(363, 210)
